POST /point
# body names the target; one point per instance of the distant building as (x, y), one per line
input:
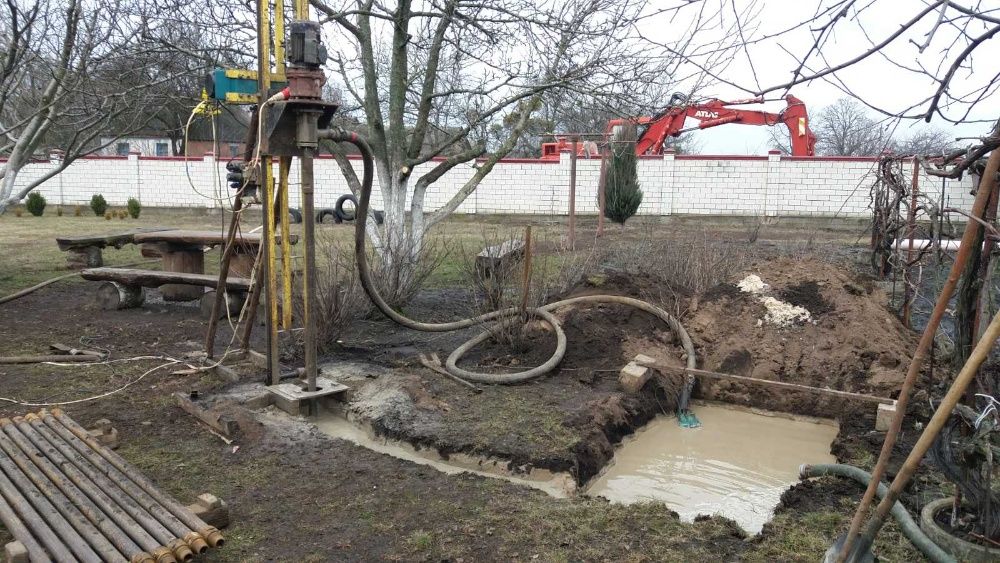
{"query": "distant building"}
(230, 134)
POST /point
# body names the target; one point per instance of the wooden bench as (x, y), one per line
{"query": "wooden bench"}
(123, 287)
(183, 251)
(85, 250)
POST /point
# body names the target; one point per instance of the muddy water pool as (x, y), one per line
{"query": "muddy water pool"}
(736, 464)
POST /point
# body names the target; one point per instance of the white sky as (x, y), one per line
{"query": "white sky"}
(876, 80)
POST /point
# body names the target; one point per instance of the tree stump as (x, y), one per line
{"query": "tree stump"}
(85, 257)
(234, 299)
(498, 260)
(185, 259)
(113, 295)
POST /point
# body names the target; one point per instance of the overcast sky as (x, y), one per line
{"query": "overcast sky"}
(877, 80)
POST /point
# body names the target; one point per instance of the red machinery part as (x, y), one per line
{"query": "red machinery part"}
(654, 130)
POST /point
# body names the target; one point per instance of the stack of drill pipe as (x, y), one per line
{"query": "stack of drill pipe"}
(66, 497)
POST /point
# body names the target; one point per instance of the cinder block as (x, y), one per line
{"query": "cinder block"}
(884, 416)
(634, 376)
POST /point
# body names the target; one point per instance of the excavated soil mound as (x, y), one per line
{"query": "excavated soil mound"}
(852, 343)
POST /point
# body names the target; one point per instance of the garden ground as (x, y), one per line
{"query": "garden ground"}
(307, 497)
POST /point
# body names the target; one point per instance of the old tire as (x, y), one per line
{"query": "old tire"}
(339, 207)
(959, 548)
(294, 215)
(327, 215)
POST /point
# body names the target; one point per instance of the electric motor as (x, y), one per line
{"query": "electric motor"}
(305, 46)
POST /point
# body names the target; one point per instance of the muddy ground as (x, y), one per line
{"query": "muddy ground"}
(311, 498)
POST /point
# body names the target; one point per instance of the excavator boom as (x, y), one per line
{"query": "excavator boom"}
(654, 130)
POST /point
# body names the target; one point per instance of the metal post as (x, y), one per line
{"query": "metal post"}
(572, 194)
(284, 166)
(309, 277)
(267, 183)
(526, 281)
(601, 186)
(911, 222)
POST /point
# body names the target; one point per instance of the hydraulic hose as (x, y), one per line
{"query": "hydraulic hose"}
(906, 523)
(544, 312)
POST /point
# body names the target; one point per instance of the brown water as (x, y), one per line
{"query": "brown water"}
(559, 485)
(737, 464)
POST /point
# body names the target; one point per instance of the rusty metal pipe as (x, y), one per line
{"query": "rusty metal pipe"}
(151, 534)
(64, 518)
(138, 495)
(28, 525)
(113, 533)
(181, 512)
(102, 492)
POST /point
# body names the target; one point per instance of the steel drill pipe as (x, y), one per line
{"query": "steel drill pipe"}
(139, 496)
(26, 524)
(101, 492)
(149, 526)
(80, 497)
(181, 512)
(987, 184)
(149, 532)
(64, 518)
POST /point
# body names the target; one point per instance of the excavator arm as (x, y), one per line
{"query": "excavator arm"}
(654, 130)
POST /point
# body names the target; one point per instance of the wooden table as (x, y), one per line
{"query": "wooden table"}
(184, 251)
(85, 250)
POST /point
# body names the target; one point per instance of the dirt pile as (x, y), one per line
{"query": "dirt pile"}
(851, 342)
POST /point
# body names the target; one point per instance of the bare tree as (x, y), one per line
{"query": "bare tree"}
(925, 141)
(434, 79)
(844, 129)
(76, 75)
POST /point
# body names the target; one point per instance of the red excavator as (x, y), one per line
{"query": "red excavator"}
(653, 131)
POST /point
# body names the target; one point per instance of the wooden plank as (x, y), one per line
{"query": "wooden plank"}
(156, 278)
(116, 240)
(202, 238)
(218, 422)
(770, 383)
(48, 358)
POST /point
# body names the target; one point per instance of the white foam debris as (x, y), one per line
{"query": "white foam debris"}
(782, 313)
(779, 313)
(752, 284)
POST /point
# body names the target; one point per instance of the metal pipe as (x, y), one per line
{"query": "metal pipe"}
(25, 523)
(60, 514)
(113, 533)
(139, 525)
(309, 277)
(271, 294)
(572, 195)
(284, 166)
(181, 512)
(140, 496)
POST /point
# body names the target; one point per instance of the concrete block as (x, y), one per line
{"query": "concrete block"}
(884, 415)
(293, 399)
(213, 510)
(105, 433)
(634, 376)
(15, 552)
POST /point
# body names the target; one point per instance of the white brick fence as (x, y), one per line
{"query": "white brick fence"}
(673, 184)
